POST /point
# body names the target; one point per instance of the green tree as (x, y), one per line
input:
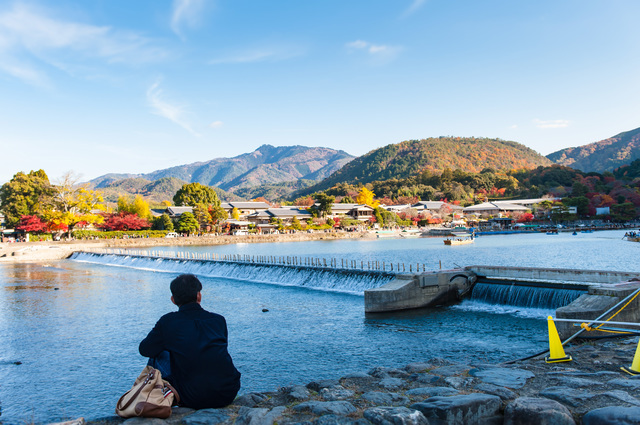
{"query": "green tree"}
(201, 214)
(378, 215)
(579, 189)
(192, 194)
(163, 223)
(347, 200)
(324, 203)
(295, 224)
(217, 214)
(623, 212)
(187, 223)
(25, 194)
(580, 202)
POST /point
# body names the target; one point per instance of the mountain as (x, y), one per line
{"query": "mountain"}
(605, 155)
(412, 157)
(267, 165)
(155, 191)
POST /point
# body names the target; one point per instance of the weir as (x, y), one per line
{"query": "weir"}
(320, 276)
(573, 293)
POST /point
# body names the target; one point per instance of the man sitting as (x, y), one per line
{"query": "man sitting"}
(189, 347)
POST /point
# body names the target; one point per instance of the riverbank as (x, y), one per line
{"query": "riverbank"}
(591, 389)
(57, 250)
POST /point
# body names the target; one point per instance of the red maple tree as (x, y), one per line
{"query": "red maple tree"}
(124, 221)
(31, 224)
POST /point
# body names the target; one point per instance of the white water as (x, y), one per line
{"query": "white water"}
(347, 281)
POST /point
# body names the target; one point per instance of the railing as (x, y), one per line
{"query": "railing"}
(269, 260)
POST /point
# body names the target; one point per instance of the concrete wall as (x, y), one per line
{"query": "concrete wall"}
(560, 275)
(417, 291)
(592, 305)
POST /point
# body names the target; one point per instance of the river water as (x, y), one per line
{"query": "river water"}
(75, 325)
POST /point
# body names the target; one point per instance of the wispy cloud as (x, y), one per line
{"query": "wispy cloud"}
(260, 54)
(172, 112)
(380, 52)
(415, 5)
(216, 124)
(186, 13)
(551, 123)
(31, 39)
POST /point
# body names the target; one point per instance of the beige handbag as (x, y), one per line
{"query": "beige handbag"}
(150, 397)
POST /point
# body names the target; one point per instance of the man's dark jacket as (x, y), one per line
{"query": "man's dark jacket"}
(201, 368)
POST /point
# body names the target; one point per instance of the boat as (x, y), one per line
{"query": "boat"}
(386, 234)
(459, 239)
(632, 236)
(410, 233)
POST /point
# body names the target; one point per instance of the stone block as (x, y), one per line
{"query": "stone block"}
(502, 392)
(337, 392)
(460, 409)
(250, 400)
(322, 383)
(395, 416)
(326, 407)
(385, 399)
(251, 416)
(391, 383)
(207, 417)
(433, 392)
(332, 419)
(568, 396)
(613, 415)
(503, 377)
(537, 411)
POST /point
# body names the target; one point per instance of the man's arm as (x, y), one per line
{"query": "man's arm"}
(152, 345)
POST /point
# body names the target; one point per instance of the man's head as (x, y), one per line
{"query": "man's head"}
(185, 289)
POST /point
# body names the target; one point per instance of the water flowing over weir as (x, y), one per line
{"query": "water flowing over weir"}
(327, 279)
(525, 296)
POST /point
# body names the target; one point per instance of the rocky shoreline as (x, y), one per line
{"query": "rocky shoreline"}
(589, 390)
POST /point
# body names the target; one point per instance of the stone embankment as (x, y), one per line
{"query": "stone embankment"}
(47, 251)
(589, 390)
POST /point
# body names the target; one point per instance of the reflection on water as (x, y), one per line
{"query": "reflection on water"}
(76, 327)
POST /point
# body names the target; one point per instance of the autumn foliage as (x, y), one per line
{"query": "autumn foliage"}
(31, 224)
(124, 221)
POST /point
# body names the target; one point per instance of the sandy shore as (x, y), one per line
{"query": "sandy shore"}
(46, 251)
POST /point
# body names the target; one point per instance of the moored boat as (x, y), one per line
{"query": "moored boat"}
(459, 239)
(410, 233)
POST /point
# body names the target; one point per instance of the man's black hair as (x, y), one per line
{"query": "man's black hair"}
(185, 288)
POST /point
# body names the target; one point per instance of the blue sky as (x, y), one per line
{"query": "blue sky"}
(115, 86)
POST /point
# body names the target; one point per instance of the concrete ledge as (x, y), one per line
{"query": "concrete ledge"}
(417, 291)
(592, 305)
(551, 274)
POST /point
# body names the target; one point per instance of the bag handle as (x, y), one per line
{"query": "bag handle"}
(177, 401)
(137, 393)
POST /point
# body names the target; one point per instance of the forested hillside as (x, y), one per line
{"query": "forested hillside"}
(413, 157)
(605, 155)
(154, 191)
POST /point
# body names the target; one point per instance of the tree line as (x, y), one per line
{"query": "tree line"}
(31, 203)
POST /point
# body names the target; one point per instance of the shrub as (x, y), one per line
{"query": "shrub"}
(94, 234)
